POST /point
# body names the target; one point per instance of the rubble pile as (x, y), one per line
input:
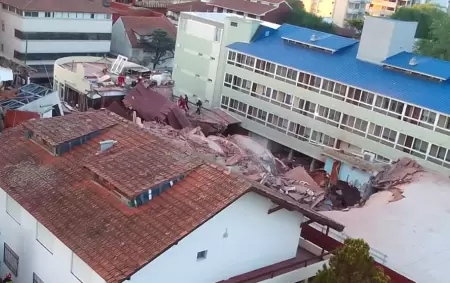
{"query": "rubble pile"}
(243, 155)
(401, 172)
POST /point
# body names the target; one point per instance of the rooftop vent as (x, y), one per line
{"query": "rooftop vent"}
(413, 61)
(313, 37)
(105, 145)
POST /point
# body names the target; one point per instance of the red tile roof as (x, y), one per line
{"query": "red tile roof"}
(193, 6)
(85, 6)
(65, 128)
(253, 8)
(132, 23)
(61, 194)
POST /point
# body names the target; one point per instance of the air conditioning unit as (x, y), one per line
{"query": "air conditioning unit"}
(369, 156)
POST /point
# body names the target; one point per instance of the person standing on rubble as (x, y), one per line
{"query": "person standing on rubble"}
(199, 105)
(2, 119)
(186, 100)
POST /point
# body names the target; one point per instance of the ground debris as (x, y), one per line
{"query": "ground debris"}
(401, 172)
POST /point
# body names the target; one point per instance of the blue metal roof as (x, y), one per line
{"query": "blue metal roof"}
(322, 40)
(343, 66)
(424, 65)
(25, 95)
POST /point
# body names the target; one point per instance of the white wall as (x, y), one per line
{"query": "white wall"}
(41, 24)
(33, 257)
(255, 239)
(44, 105)
(120, 44)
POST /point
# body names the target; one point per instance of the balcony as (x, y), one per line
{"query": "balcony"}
(303, 259)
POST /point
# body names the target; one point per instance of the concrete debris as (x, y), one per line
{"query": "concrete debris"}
(241, 154)
(402, 171)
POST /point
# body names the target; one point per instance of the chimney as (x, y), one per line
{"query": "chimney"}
(105, 145)
(382, 38)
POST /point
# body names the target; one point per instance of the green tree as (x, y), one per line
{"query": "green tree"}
(160, 47)
(424, 14)
(438, 45)
(352, 264)
(356, 24)
(299, 17)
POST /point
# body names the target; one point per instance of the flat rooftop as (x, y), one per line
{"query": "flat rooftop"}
(341, 65)
(413, 232)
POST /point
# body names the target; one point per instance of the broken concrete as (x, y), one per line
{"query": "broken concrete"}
(402, 171)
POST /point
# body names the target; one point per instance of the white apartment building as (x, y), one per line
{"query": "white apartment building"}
(336, 11)
(308, 90)
(74, 211)
(345, 10)
(39, 32)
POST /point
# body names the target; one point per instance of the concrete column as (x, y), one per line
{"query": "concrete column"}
(291, 154)
(312, 167)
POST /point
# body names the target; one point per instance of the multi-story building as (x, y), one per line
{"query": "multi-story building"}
(345, 10)
(39, 32)
(91, 197)
(336, 11)
(385, 8)
(310, 91)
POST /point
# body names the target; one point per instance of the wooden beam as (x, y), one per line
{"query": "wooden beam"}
(274, 209)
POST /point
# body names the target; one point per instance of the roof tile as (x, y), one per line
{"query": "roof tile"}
(86, 6)
(137, 23)
(254, 8)
(92, 222)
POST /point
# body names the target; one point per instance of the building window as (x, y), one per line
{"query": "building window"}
(60, 35)
(257, 115)
(381, 134)
(411, 145)
(45, 237)
(304, 107)
(202, 255)
(52, 56)
(11, 260)
(238, 107)
(13, 209)
(225, 101)
(233, 24)
(277, 123)
(31, 14)
(36, 279)
(3, 25)
(228, 80)
(329, 116)
(261, 92)
(360, 97)
(49, 14)
(299, 131)
(354, 125)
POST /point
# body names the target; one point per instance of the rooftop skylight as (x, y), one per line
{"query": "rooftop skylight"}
(419, 65)
(315, 39)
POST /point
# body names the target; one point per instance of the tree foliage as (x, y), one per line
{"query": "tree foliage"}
(438, 44)
(299, 17)
(424, 14)
(160, 47)
(356, 24)
(352, 264)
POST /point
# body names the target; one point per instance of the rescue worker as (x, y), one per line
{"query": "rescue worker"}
(199, 105)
